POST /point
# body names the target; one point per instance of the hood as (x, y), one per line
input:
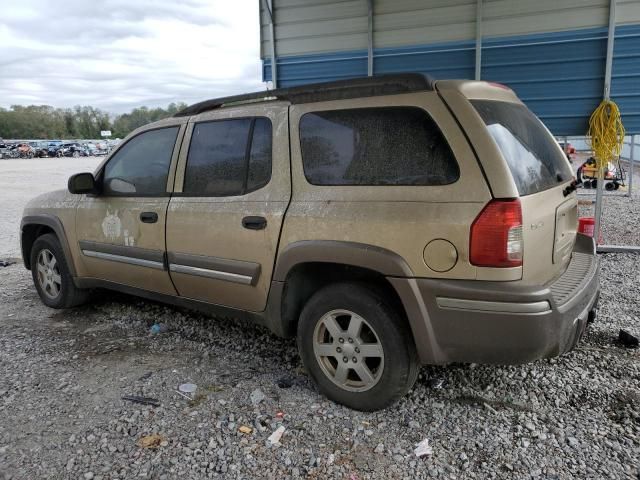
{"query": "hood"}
(51, 200)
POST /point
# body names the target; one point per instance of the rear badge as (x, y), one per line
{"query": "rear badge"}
(535, 226)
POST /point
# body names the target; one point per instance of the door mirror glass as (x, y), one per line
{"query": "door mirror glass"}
(82, 183)
(119, 185)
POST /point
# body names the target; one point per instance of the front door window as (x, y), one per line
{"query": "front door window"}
(141, 166)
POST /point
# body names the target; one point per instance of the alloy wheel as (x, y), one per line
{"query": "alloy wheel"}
(49, 276)
(348, 350)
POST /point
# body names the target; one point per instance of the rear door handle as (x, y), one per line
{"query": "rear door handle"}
(149, 217)
(254, 223)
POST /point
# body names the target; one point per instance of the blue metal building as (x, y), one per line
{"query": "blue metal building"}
(551, 52)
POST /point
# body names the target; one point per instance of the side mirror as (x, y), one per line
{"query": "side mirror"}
(82, 183)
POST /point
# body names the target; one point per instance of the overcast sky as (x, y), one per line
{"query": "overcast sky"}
(121, 54)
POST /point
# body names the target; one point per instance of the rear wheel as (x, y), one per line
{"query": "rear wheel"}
(356, 346)
(51, 275)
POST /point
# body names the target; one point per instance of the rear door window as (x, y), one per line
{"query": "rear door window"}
(228, 157)
(532, 154)
(375, 146)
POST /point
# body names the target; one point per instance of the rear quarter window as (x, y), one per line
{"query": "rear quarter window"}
(534, 158)
(375, 146)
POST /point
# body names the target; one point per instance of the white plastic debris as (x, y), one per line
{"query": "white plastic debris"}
(275, 437)
(423, 448)
(257, 396)
(188, 388)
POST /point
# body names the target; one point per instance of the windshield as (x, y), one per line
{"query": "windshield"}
(534, 158)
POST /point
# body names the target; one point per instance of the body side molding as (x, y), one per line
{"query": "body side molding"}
(237, 271)
(142, 257)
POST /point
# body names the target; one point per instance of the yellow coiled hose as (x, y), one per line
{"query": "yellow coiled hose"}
(606, 132)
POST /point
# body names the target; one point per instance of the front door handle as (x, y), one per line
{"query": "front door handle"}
(149, 217)
(254, 223)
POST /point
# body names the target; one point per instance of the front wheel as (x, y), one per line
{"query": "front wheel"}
(51, 275)
(356, 346)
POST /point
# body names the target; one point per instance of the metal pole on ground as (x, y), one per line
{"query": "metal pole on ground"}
(602, 162)
(631, 151)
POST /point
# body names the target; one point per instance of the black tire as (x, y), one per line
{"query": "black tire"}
(594, 183)
(68, 295)
(372, 304)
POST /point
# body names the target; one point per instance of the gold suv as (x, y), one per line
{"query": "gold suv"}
(387, 222)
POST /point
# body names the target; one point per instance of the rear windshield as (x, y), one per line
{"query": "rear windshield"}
(534, 158)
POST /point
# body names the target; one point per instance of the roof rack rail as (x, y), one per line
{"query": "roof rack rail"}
(320, 92)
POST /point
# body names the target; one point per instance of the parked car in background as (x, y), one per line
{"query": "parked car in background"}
(93, 150)
(25, 150)
(387, 222)
(40, 149)
(101, 148)
(72, 150)
(54, 149)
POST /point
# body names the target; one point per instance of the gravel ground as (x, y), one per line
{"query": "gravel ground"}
(64, 373)
(21, 180)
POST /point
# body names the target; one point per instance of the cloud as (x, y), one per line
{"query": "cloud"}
(120, 54)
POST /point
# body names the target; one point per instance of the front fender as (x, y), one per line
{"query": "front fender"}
(27, 239)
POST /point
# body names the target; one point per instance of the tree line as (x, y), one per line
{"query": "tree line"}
(42, 121)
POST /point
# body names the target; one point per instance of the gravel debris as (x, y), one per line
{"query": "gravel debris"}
(64, 374)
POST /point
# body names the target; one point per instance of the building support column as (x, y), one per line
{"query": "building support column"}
(607, 92)
(478, 73)
(370, 39)
(268, 4)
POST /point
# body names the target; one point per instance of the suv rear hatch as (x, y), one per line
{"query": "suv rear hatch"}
(541, 173)
(538, 173)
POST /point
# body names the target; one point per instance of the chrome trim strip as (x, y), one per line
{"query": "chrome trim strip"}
(123, 259)
(496, 307)
(123, 250)
(215, 274)
(217, 264)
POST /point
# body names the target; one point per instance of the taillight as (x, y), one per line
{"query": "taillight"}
(496, 235)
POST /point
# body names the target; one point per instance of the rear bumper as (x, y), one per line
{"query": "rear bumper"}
(502, 322)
